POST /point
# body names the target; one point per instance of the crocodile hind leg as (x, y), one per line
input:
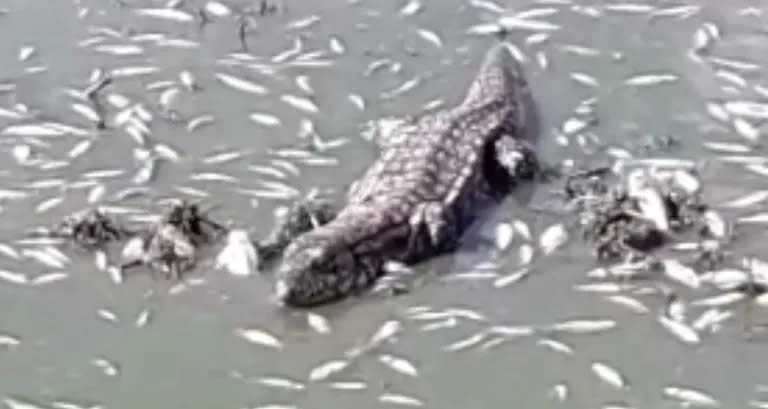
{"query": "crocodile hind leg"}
(302, 217)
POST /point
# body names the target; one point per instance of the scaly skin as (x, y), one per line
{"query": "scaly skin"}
(432, 176)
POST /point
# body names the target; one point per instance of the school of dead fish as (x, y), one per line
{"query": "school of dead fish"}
(99, 102)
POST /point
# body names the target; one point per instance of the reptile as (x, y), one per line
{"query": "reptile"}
(433, 174)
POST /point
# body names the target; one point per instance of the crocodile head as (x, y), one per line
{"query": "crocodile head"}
(316, 269)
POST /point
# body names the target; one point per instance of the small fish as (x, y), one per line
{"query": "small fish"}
(465, 343)
(108, 367)
(516, 23)
(503, 235)
(348, 385)
(553, 238)
(681, 331)
(260, 337)
(199, 121)
(318, 323)
(326, 369)
(430, 36)
(241, 84)
(681, 273)
(584, 326)
(239, 256)
(690, 396)
(107, 315)
(143, 319)
(13, 403)
(399, 399)
(223, 157)
(559, 392)
(13, 277)
(608, 375)
(8, 341)
(650, 79)
(300, 103)
(411, 8)
(170, 14)
(556, 346)
(49, 278)
(399, 364)
(265, 119)
(631, 303)
(512, 278)
(282, 383)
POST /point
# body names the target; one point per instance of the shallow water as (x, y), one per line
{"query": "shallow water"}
(188, 354)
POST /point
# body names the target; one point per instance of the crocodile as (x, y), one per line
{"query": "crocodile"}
(433, 173)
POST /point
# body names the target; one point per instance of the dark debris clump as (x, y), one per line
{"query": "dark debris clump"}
(626, 218)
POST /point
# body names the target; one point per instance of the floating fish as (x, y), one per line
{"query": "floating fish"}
(399, 364)
(241, 84)
(327, 369)
(239, 256)
(260, 337)
(608, 375)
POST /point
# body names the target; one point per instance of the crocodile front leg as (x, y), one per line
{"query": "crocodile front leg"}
(302, 217)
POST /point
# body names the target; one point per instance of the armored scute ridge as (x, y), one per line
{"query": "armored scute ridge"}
(432, 175)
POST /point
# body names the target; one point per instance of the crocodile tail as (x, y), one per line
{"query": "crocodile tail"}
(499, 78)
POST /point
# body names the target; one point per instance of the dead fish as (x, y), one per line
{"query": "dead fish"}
(170, 14)
(399, 399)
(515, 23)
(430, 36)
(511, 279)
(584, 326)
(608, 375)
(650, 79)
(300, 103)
(411, 8)
(199, 121)
(13, 277)
(123, 50)
(318, 323)
(746, 130)
(466, 343)
(399, 364)
(143, 319)
(680, 330)
(556, 346)
(584, 79)
(681, 273)
(553, 238)
(15, 403)
(9, 341)
(260, 337)
(326, 369)
(503, 235)
(348, 385)
(720, 300)
(239, 256)
(107, 315)
(690, 396)
(631, 303)
(224, 157)
(265, 119)
(283, 383)
(241, 84)
(559, 392)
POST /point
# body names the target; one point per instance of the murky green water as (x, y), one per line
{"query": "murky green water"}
(188, 354)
